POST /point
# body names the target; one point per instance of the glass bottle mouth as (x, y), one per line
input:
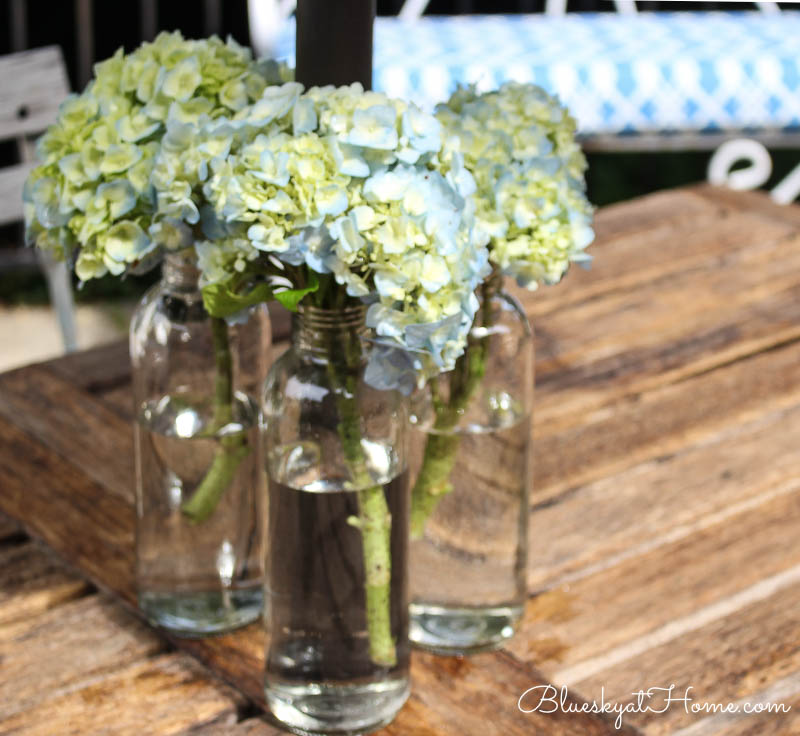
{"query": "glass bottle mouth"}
(180, 271)
(329, 330)
(316, 318)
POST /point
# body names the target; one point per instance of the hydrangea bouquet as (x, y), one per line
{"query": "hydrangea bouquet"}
(111, 197)
(519, 144)
(334, 197)
(327, 197)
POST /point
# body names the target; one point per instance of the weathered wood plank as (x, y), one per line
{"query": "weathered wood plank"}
(105, 552)
(32, 581)
(756, 201)
(72, 424)
(734, 650)
(584, 445)
(766, 723)
(67, 648)
(635, 241)
(86, 524)
(626, 512)
(10, 530)
(662, 233)
(119, 400)
(692, 568)
(248, 727)
(629, 341)
(96, 370)
(166, 695)
(468, 695)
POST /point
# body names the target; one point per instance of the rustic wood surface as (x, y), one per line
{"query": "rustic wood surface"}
(663, 527)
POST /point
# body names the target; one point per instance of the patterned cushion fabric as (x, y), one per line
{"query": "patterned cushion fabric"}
(646, 73)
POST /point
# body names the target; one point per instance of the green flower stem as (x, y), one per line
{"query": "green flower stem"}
(223, 378)
(232, 448)
(433, 482)
(203, 502)
(441, 447)
(374, 520)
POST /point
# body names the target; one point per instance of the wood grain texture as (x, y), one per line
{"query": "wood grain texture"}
(67, 648)
(247, 727)
(105, 553)
(10, 530)
(166, 695)
(781, 722)
(628, 510)
(666, 504)
(72, 426)
(33, 581)
(692, 568)
(632, 340)
(732, 657)
(636, 241)
(89, 526)
(582, 446)
(96, 370)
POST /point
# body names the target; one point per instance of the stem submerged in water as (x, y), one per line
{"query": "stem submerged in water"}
(374, 519)
(441, 447)
(233, 448)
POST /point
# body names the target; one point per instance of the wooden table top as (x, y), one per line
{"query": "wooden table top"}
(664, 525)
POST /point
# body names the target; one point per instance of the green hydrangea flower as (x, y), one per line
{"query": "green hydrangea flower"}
(519, 144)
(94, 198)
(342, 181)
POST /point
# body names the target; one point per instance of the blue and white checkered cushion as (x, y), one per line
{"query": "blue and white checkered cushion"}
(647, 73)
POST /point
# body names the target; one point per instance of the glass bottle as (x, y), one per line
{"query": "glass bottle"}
(336, 605)
(199, 478)
(470, 466)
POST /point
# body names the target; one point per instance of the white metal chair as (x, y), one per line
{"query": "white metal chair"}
(34, 85)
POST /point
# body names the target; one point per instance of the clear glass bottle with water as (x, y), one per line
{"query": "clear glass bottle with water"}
(336, 605)
(199, 475)
(470, 476)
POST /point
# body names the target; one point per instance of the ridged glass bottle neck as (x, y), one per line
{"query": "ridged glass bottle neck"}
(334, 334)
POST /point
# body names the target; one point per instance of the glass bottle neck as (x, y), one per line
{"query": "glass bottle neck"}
(331, 334)
(179, 271)
(491, 286)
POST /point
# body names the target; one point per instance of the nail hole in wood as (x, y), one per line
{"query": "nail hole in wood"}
(23, 112)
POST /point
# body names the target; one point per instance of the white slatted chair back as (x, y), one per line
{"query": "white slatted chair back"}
(34, 85)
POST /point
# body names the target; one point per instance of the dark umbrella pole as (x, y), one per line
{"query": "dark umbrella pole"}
(334, 46)
(334, 42)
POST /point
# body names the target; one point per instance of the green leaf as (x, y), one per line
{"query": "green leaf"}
(221, 300)
(291, 297)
